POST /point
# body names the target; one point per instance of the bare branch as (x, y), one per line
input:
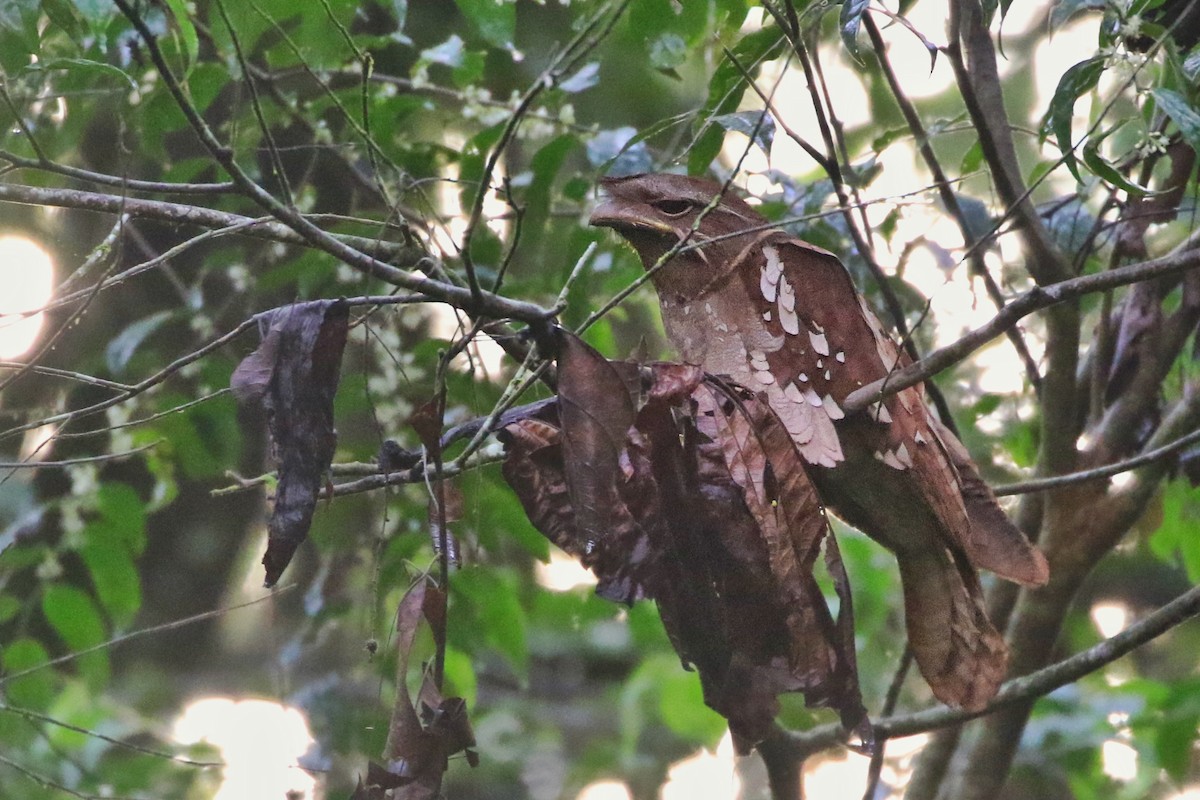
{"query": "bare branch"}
(1028, 687)
(1035, 299)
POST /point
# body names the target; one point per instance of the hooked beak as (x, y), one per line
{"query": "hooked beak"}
(621, 217)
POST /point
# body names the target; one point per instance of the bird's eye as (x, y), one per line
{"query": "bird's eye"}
(673, 208)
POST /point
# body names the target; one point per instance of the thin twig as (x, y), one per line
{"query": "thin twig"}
(70, 462)
(166, 626)
(1023, 305)
(476, 301)
(1025, 688)
(1107, 471)
(34, 716)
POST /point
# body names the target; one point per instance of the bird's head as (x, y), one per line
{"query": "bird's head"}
(655, 211)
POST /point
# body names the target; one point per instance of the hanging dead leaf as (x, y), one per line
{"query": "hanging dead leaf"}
(422, 735)
(294, 374)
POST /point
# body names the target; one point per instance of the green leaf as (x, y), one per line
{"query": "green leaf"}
(499, 617)
(757, 124)
(460, 673)
(1105, 170)
(725, 90)
(21, 17)
(64, 14)
(681, 707)
(82, 65)
(1177, 531)
(494, 20)
(9, 606)
(1063, 10)
(668, 51)
(1182, 113)
(35, 690)
(121, 508)
(849, 23)
(114, 574)
(126, 343)
(74, 616)
(545, 165)
(1080, 78)
(187, 31)
(972, 159)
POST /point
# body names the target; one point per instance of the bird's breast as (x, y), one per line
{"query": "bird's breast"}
(716, 331)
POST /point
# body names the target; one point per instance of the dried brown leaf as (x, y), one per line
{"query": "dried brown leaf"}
(294, 374)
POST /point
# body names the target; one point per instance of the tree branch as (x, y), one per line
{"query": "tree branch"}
(1026, 688)
(1035, 299)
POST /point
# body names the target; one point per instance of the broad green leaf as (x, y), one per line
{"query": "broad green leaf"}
(83, 65)
(114, 574)
(1182, 113)
(19, 23)
(498, 614)
(65, 15)
(681, 706)
(73, 615)
(1177, 531)
(972, 159)
(1104, 170)
(1072, 85)
(725, 90)
(1064, 10)
(35, 690)
(756, 124)
(545, 165)
(494, 20)
(126, 343)
(187, 31)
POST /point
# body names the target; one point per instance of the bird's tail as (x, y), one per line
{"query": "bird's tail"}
(958, 650)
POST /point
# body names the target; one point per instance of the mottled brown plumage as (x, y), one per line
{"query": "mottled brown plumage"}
(782, 317)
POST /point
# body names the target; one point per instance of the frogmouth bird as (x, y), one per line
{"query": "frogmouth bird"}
(783, 318)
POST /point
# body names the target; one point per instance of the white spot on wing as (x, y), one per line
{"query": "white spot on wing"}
(789, 320)
(813, 399)
(819, 342)
(902, 455)
(880, 413)
(787, 295)
(832, 408)
(802, 377)
(841, 357)
(919, 437)
(772, 270)
(890, 459)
